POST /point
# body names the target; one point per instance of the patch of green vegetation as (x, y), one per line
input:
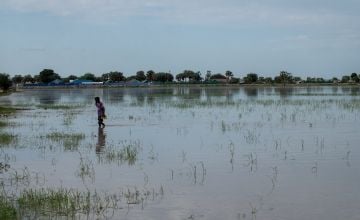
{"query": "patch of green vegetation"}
(70, 141)
(52, 201)
(127, 154)
(59, 106)
(5, 93)
(7, 139)
(7, 210)
(69, 116)
(86, 169)
(73, 204)
(58, 136)
(3, 124)
(7, 110)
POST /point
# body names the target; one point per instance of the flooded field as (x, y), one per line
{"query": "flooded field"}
(182, 153)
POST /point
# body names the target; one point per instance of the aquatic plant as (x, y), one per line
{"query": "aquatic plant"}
(7, 139)
(7, 210)
(128, 153)
(6, 110)
(4, 167)
(70, 141)
(86, 169)
(3, 124)
(60, 106)
(71, 203)
(57, 136)
(69, 116)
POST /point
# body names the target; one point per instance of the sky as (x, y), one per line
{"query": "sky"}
(304, 37)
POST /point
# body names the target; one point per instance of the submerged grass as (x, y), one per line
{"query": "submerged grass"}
(3, 124)
(7, 139)
(60, 106)
(70, 141)
(52, 201)
(58, 136)
(127, 154)
(7, 210)
(7, 110)
(48, 203)
(69, 117)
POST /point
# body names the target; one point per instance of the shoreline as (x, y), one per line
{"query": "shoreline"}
(62, 87)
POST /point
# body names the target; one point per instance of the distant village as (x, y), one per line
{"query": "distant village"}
(49, 78)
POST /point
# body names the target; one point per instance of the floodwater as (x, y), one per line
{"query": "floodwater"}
(193, 152)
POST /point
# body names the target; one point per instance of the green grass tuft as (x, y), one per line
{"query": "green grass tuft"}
(70, 141)
(7, 210)
(59, 106)
(7, 139)
(7, 110)
(3, 124)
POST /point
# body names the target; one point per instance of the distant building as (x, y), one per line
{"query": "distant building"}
(134, 82)
(80, 82)
(56, 82)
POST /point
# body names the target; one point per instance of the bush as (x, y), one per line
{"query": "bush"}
(5, 81)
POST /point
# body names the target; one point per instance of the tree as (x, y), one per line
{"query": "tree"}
(208, 75)
(140, 75)
(88, 76)
(190, 75)
(163, 77)
(320, 80)
(310, 80)
(355, 77)
(277, 79)
(251, 78)
(218, 76)
(228, 74)
(297, 79)
(72, 77)
(198, 76)
(48, 75)
(268, 80)
(98, 79)
(150, 75)
(261, 79)
(234, 80)
(180, 77)
(5, 81)
(37, 78)
(285, 77)
(114, 76)
(345, 79)
(133, 77)
(28, 79)
(17, 79)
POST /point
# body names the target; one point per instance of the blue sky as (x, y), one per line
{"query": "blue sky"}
(307, 38)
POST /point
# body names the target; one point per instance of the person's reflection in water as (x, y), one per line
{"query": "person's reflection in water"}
(101, 140)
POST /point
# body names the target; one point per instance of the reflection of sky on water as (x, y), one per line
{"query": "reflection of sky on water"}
(290, 152)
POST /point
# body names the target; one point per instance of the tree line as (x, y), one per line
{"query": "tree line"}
(187, 76)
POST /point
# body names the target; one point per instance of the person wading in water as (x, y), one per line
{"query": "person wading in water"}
(101, 112)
